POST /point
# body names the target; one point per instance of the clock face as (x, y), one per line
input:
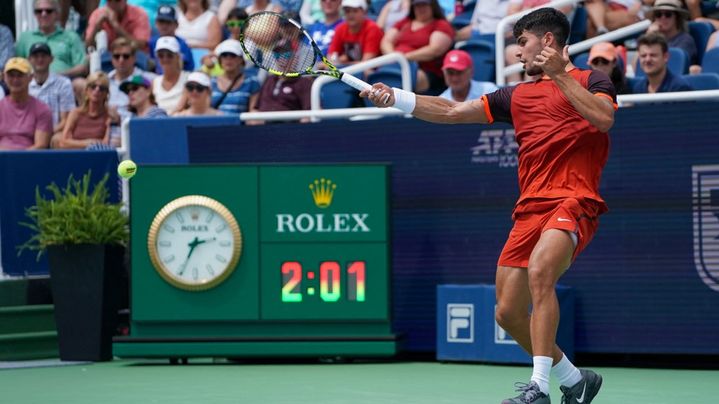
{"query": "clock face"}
(194, 242)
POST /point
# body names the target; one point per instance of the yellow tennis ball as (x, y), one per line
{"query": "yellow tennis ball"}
(127, 169)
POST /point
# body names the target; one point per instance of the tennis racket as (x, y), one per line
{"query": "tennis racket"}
(282, 47)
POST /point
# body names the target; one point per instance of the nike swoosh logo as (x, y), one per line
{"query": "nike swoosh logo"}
(561, 219)
(580, 400)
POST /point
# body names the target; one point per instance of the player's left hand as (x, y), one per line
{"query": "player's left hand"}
(551, 61)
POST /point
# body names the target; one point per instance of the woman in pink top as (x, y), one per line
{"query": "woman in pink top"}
(90, 123)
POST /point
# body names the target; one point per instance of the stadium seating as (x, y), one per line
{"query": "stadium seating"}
(678, 63)
(578, 30)
(337, 94)
(700, 31)
(581, 60)
(465, 18)
(710, 62)
(482, 53)
(703, 81)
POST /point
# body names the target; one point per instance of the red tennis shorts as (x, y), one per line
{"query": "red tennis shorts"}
(533, 218)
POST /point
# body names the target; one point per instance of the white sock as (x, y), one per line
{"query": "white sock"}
(540, 374)
(567, 374)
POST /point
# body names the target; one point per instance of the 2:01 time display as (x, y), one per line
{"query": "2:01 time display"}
(294, 280)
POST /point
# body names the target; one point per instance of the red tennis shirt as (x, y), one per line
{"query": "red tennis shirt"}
(561, 155)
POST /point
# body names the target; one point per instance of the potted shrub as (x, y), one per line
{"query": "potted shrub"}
(85, 236)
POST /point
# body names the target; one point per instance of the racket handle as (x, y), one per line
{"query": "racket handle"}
(354, 82)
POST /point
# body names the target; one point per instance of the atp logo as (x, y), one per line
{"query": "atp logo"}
(705, 205)
(496, 146)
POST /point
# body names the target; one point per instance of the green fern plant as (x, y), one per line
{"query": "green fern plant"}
(75, 214)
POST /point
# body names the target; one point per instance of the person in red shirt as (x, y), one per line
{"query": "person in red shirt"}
(561, 122)
(424, 37)
(357, 38)
(119, 19)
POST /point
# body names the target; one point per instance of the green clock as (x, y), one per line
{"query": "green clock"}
(308, 274)
(194, 242)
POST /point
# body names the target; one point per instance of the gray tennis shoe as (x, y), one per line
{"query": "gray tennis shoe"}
(528, 394)
(584, 391)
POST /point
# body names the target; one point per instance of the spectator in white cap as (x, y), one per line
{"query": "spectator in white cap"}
(235, 90)
(168, 88)
(358, 37)
(458, 70)
(197, 92)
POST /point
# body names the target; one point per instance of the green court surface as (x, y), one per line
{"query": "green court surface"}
(352, 383)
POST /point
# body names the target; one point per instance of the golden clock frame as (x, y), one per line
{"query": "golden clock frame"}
(167, 210)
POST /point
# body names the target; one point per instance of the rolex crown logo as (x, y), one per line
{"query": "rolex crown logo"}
(322, 192)
(195, 214)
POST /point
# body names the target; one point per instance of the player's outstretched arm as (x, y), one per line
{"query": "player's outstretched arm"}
(427, 108)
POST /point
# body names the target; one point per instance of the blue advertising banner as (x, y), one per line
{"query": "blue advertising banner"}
(21, 173)
(649, 281)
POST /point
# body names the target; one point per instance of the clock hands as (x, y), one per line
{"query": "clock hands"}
(193, 244)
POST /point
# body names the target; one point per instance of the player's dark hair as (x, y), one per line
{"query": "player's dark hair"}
(542, 21)
(653, 38)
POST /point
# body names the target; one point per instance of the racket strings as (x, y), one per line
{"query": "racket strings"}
(277, 45)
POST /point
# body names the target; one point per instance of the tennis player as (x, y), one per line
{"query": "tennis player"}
(561, 122)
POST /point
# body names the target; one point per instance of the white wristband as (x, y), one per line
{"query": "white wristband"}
(404, 101)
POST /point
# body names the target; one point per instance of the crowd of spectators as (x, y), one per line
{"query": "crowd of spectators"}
(164, 58)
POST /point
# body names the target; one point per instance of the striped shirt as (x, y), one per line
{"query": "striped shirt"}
(57, 93)
(238, 100)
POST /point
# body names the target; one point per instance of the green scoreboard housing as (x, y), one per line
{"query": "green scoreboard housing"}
(269, 260)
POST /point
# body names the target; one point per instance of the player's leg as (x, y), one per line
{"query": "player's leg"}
(550, 258)
(513, 299)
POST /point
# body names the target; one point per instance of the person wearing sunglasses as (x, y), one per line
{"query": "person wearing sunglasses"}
(198, 94)
(123, 53)
(68, 50)
(669, 18)
(236, 89)
(168, 88)
(142, 102)
(166, 25)
(90, 123)
(25, 121)
(233, 26)
(604, 57)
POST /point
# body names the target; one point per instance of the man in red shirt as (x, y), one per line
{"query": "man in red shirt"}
(119, 19)
(561, 122)
(357, 38)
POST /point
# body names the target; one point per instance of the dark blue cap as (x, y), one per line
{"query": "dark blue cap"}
(166, 13)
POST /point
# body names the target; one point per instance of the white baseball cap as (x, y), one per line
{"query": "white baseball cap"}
(199, 78)
(355, 4)
(167, 43)
(229, 46)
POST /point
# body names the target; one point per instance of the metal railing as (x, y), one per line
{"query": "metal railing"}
(502, 71)
(394, 57)
(629, 100)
